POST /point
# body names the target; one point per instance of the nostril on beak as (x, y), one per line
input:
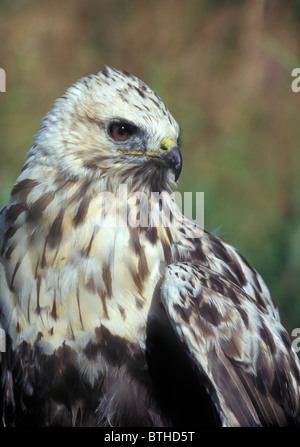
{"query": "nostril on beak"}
(167, 144)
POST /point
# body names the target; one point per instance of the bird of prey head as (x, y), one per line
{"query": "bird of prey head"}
(114, 127)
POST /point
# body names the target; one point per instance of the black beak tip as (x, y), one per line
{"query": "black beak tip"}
(177, 170)
(173, 160)
(177, 163)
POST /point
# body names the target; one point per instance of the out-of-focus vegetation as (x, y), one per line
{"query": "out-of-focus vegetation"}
(224, 70)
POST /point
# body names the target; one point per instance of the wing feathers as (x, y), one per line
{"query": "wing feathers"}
(243, 352)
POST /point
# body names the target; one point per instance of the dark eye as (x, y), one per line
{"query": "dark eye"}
(121, 131)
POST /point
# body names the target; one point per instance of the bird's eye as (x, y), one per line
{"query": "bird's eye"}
(121, 131)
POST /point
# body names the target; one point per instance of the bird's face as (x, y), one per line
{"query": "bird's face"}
(112, 125)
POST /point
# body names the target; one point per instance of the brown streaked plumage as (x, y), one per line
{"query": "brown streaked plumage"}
(154, 323)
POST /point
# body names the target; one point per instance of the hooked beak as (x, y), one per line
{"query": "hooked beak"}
(168, 154)
(172, 157)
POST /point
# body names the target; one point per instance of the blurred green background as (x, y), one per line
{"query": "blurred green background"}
(224, 70)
